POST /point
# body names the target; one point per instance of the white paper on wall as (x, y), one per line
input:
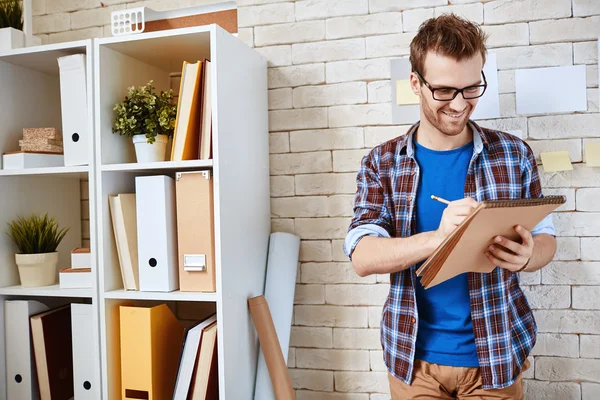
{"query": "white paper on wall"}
(404, 114)
(551, 90)
(488, 106)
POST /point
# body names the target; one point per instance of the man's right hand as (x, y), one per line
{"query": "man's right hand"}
(453, 215)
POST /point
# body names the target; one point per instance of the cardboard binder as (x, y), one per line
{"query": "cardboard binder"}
(151, 340)
(157, 233)
(84, 360)
(74, 109)
(21, 375)
(464, 249)
(195, 231)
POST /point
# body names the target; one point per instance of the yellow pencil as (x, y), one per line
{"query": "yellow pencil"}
(440, 199)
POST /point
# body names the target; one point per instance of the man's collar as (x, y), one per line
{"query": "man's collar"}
(479, 139)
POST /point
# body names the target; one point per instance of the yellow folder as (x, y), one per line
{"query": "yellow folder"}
(151, 340)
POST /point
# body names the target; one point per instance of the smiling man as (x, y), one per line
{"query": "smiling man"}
(470, 336)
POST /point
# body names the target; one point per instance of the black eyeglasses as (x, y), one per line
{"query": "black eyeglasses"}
(449, 93)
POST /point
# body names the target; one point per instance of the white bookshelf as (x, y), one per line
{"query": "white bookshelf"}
(240, 168)
(31, 98)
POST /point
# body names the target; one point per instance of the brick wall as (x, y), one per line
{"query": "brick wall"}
(329, 104)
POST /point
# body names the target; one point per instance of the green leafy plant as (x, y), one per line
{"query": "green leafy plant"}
(144, 112)
(11, 14)
(36, 234)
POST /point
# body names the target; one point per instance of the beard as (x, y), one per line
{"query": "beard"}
(445, 124)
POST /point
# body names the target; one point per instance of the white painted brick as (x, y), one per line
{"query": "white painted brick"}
(316, 9)
(296, 75)
(580, 176)
(280, 99)
(364, 25)
(62, 6)
(291, 362)
(51, 23)
(507, 35)
(531, 278)
(322, 228)
(412, 19)
(282, 225)
(587, 199)
(305, 336)
(315, 250)
(331, 184)
(277, 56)
(282, 186)
(591, 76)
(312, 380)
(341, 317)
(567, 249)
(506, 81)
(592, 101)
(389, 45)
(589, 346)
(553, 344)
(538, 390)
(358, 70)
(379, 92)
(530, 373)
(338, 360)
(376, 6)
(572, 273)
(308, 118)
(348, 338)
(583, 8)
(586, 297)
(375, 135)
(506, 124)
(361, 382)
(340, 206)
(337, 248)
(348, 160)
(375, 314)
(590, 391)
(265, 14)
(569, 195)
(332, 273)
(243, 3)
(330, 95)
(568, 321)
(542, 296)
(246, 35)
(359, 115)
(72, 35)
(566, 369)
(577, 224)
(564, 126)
(292, 207)
(590, 250)
(310, 395)
(297, 32)
(500, 12)
(573, 146)
(548, 55)
(332, 50)
(508, 105)
(472, 12)
(300, 163)
(90, 18)
(327, 139)
(564, 30)
(363, 295)
(585, 53)
(38, 7)
(309, 294)
(377, 363)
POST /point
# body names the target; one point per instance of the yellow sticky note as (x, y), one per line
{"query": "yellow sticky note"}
(556, 161)
(404, 93)
(592, 154)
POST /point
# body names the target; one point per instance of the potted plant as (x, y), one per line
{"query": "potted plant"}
(37, 239)
(12, 35)
(149, 119)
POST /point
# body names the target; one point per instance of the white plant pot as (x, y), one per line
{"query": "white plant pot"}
(150, 152)
(37, 269)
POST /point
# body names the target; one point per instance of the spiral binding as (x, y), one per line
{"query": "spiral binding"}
(525, 202)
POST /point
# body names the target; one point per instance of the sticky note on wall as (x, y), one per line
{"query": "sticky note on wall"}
(592, 154)
(556, 161)
(404, 93)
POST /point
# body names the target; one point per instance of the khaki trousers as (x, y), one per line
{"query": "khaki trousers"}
(433, 381)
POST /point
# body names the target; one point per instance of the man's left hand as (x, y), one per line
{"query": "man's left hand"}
(511, 255)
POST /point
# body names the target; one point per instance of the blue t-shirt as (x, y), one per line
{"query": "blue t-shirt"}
(445, 332)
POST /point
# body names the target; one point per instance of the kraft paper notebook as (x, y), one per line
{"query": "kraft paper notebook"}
(464, 249)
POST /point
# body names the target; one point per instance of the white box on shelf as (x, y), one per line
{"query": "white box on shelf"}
(22, 159)
(70, 278)
(81, 258)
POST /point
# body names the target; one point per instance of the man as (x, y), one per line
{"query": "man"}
(470, 336)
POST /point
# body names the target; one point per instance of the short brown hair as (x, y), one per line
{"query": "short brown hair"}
(449, 35)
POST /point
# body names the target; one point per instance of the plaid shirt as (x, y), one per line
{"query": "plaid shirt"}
(502, 167)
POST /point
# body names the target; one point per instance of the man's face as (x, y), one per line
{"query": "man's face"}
(448, 117)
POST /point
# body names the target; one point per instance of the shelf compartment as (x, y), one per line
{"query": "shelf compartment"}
(162, 296)
(45, 291)
(165, 165)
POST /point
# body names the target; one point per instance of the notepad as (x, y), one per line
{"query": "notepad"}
(556, 161)
(592, 154)
(464, 249)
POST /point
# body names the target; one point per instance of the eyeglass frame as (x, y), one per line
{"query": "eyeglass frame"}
(456, 91)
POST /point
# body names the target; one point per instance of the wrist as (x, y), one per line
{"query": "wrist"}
(524, 267)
